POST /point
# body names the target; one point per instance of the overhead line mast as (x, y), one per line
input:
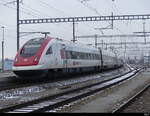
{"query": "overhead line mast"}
(74, 19)
(17, 1)
(18, 41)
(85, 19)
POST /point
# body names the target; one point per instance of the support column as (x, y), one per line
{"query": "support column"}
(74, 39)
(18, 25)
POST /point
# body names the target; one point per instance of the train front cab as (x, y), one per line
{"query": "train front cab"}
(26, 62)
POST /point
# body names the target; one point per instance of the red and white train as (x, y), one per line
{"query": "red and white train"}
(42, 56)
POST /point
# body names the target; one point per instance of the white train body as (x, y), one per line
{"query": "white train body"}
(56, 54)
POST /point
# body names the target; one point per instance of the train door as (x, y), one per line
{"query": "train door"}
(55, 55)
(49, 57)
(63, 55)
(101, 58)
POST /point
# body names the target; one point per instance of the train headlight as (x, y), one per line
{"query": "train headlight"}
(16, 59)
(36, 60)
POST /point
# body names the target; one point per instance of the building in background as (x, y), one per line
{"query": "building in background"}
(7, 64)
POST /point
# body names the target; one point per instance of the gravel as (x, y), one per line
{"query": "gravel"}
(108, 100)
(20, 95)
(140, 105)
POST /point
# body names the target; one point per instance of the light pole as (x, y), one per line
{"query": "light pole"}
(3, 49)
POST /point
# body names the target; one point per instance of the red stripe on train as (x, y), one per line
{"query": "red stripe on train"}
(33, 60)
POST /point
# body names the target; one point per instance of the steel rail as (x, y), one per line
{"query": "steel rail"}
(55, 101)
(12, 83)
(131, 100)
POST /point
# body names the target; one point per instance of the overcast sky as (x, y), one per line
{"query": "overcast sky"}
(70, 8)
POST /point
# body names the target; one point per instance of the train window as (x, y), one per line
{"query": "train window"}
(29, 50)
(97, 57)
(87, 56)
(78, 55)
(71, 56)
(49, 51)
(68, 54)
(74, 56)
(92, 56)
(31, 47)
(81, 56)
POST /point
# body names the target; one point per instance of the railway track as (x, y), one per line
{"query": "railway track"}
(50, 103)
(13, 82)
(131, 100)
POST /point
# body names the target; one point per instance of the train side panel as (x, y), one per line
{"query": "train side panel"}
(53, 55)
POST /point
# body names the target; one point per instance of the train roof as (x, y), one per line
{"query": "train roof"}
(108, 52)
(76, 45)
(84, 47)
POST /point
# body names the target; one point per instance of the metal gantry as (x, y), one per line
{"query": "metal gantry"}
(116, 36)
(83, 19)
(124, 43)
(73, 20)
(29, 33)
(110, 36)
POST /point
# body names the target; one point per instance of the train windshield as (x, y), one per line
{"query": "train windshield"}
(31, 47)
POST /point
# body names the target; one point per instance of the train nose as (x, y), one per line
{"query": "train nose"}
(20, 61)
(36, 60)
